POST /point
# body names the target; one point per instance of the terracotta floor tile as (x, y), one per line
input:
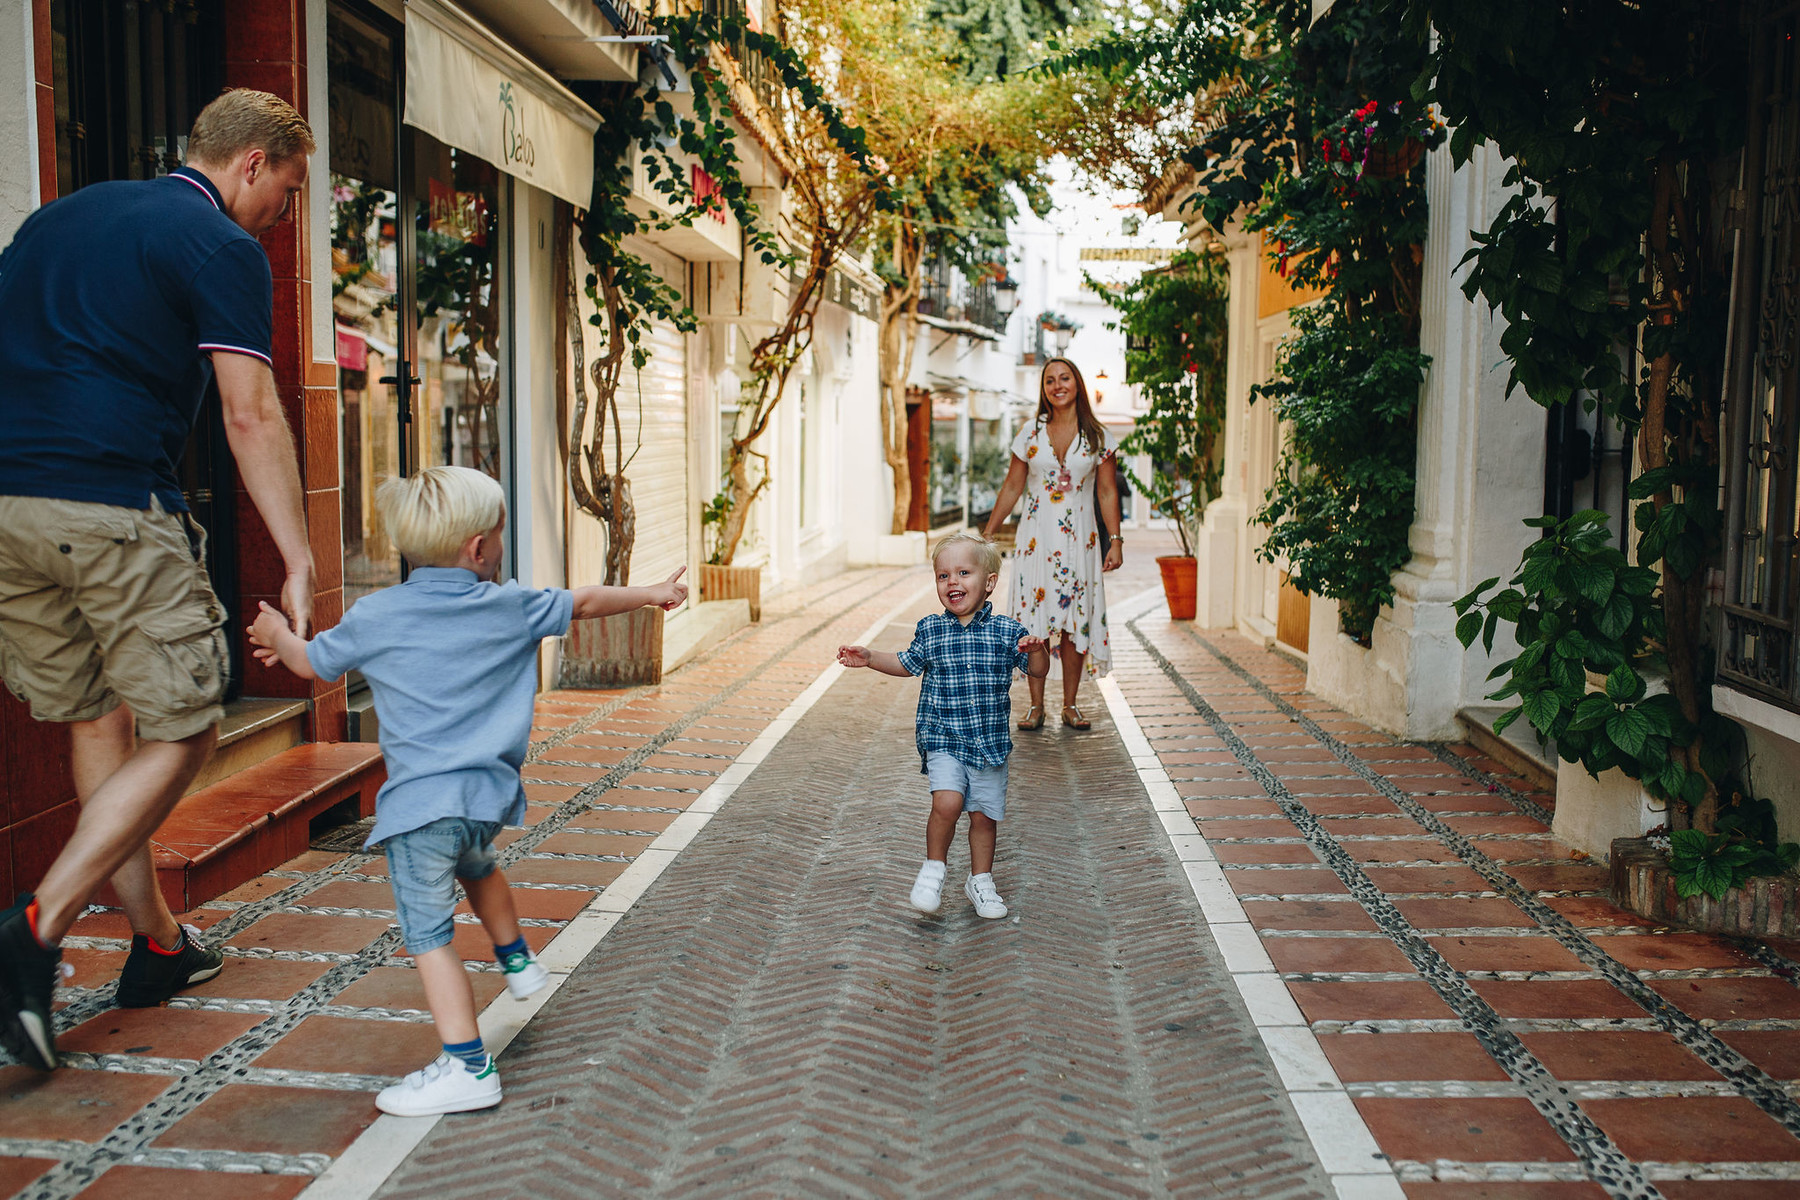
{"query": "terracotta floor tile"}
(1308, 914)
(93, 968)
(375, 868)
(15, 1173)
(304, 931)
(1335, 954)
(539, 904)
(1459, 800)
(1370, 826)
(256, 889)
(1297, 754)
(1674, 951)
(72, 1105)
(313, 860)
(1309, 788)
(1726, 1189)
(549, 793)
(1404, 1057)
(1506, 954)
(398, 988)
(1508, 1191)
(569, 752)
(594, 843)
(1732, 999)
(258, 979)
(1615, 1054)
(157, 1032)
(1338, 806)
(537, 772)
(274, 1120)
(565, 870)
(472, 942)
(1242, 806)
(1693, 1129)
(174, 1183)
(351, 893)
(1467, 913)
(1555, 998)
(355, 1047)
(1467, 1130)
(1776, 1051)
(1507, 851)
(1411, 850)
(1589, 912)
(614, 818)
(1562, 877)
(1299, 882)
(1220, 788)
(1426, 879)
(1497, 823)
(1255, 852)
(1368, 1001)
(1247, 829)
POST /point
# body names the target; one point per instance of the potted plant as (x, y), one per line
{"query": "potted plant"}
(1175, 324)
(719, 580)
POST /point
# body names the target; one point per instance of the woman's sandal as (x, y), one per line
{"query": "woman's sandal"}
(1078, 721)
(1029, 722)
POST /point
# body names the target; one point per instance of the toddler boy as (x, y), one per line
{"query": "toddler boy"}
(451, 660)
(966, 656)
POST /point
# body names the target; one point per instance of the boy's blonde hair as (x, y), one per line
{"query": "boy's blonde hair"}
(430, 515)
(986, 552)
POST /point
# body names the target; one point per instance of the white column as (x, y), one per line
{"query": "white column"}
(1221, 534)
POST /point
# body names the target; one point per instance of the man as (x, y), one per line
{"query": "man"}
(119, 301)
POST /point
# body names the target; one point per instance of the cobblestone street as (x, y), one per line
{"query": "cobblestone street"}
(1256, 949)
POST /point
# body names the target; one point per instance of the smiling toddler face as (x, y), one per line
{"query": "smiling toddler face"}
(962, 585)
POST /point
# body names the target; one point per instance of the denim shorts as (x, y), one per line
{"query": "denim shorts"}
(424, 865)
(983, 789)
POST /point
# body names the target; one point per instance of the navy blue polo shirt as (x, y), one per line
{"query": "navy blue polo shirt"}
(113, 300)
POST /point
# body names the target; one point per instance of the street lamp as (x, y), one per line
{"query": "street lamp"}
(1062, 338)
(1006, 296)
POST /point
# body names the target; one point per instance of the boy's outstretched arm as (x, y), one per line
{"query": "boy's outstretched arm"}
(276, 641)
(600, 601)
(1038, 652)
(885, 661)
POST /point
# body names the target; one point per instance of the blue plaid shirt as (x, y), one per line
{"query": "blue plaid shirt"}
(965, 706)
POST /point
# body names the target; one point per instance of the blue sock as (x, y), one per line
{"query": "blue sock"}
(472, 1055)
(516, 946)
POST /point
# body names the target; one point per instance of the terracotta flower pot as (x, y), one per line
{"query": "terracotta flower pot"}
(1395, 163)
(1180, 580)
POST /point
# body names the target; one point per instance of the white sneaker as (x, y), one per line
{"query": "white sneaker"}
(441, 1086)
(986, 899)
(524, 975)
(928, 888)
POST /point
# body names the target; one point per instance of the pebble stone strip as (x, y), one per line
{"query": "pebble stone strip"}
(1601, 1160)
(390, 1138)
(1744, 1078)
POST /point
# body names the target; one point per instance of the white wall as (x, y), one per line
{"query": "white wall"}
(18, 118)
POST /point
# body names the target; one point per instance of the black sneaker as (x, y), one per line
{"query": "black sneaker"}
(28, 975)
(149, 978)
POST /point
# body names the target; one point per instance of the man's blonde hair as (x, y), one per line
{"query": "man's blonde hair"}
(430, 515)
(241, 119)
(986, 552)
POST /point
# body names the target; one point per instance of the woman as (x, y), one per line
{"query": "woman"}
(1059, 463)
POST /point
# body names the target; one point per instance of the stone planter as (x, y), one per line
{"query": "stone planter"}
(623, 650)
(732, 583)
(1642, 882)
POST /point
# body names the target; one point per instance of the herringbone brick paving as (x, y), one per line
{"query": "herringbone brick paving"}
(772, 1019)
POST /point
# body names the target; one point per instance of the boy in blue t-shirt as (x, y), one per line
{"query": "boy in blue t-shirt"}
(451, 659)
(966, 656)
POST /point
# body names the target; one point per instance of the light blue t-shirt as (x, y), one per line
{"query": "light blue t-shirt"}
(452, 665)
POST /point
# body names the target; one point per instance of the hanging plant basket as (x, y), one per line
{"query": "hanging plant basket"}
(1394, 162)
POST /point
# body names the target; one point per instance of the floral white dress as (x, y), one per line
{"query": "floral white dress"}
(1058, 586)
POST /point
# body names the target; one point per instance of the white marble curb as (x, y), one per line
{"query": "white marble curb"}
(365, 1165)
(1340, 1137)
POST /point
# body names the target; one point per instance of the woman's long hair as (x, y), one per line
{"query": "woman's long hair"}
(1086, 423)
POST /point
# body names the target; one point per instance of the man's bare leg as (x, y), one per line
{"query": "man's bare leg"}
(98, 748)
(116, 823)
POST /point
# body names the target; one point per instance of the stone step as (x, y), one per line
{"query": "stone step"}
(260, 817)
(1516, 746)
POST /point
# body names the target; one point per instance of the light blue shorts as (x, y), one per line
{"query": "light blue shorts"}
(424, 865)
(983, 789)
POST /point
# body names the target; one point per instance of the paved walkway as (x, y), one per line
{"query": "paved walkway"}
(1260, 950)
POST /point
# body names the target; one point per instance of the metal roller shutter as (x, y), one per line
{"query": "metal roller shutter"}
(658, 474)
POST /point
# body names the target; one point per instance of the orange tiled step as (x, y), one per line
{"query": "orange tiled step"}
(255, 820)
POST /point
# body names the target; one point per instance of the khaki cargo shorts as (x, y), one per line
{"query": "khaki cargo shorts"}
(101, 605)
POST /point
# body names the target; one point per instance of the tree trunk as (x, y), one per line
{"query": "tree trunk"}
(899, 339)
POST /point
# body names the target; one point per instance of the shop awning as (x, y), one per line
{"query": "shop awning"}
(470, 90)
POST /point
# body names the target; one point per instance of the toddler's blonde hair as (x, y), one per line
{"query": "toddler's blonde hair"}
(986, 552)
(430, 515)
